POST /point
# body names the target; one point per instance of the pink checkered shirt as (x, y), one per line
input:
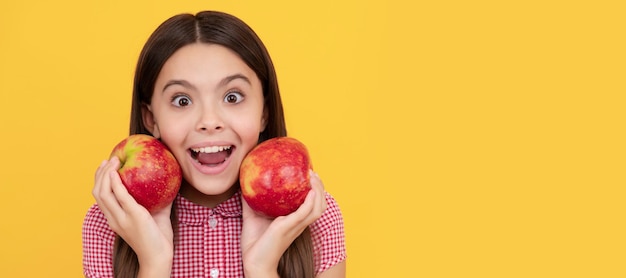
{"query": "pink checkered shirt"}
(208, 244)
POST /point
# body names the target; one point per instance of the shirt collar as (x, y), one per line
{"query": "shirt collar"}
(193, 214)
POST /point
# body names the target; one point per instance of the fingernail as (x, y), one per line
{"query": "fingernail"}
(115, 159)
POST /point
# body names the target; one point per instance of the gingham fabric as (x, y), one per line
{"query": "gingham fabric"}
(208, 244)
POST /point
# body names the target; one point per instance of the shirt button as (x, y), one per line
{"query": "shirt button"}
(214, 272)
(212, 222)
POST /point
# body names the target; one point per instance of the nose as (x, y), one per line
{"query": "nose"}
(210, 120)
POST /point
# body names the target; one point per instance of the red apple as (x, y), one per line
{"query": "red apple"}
(149, 171)
(274, 176)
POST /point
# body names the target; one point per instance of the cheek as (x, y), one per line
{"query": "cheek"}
(252, 133)
(249, 129)
(171, 128)
(173, 132)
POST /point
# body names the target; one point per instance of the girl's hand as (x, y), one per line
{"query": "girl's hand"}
(149, 235)
(263, 240)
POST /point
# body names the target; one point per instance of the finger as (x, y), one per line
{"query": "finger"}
(301, 215)
(318, 186)
(99, 193)
(315, 179)
(99, 169)
(108, 201)
(312, 202)
(97, 177)
(101, 188)
(105, 185)
(126, 201)
(102, 174)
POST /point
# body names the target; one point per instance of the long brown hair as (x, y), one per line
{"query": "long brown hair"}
(226, 30)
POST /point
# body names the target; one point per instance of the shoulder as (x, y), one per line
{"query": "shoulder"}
(332, 217)
(98, 240)
(330, 224)
(95, 225)
(328, 237)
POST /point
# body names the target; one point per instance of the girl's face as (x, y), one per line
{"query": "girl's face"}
(207, 107)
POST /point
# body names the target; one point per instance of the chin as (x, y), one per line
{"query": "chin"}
(213, 185)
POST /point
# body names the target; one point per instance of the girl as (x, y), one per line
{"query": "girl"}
(205, 85)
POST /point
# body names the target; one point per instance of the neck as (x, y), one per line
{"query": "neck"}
(192, 194)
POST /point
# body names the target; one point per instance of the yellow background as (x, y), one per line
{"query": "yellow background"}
(460, 138)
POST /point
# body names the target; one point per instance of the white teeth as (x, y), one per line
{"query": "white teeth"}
(211, 149)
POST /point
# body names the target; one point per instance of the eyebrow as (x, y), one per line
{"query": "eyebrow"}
(222, 83)
(183, 83)
(230, 78)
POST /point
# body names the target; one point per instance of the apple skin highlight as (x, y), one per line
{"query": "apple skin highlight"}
(275, 177)
(148, 170)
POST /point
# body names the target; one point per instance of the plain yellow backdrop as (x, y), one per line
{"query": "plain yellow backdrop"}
(460, 138)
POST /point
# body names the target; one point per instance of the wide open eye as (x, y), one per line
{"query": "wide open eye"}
(233, 97)
(181, 101)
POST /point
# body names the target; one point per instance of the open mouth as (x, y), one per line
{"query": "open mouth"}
(211, 156)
